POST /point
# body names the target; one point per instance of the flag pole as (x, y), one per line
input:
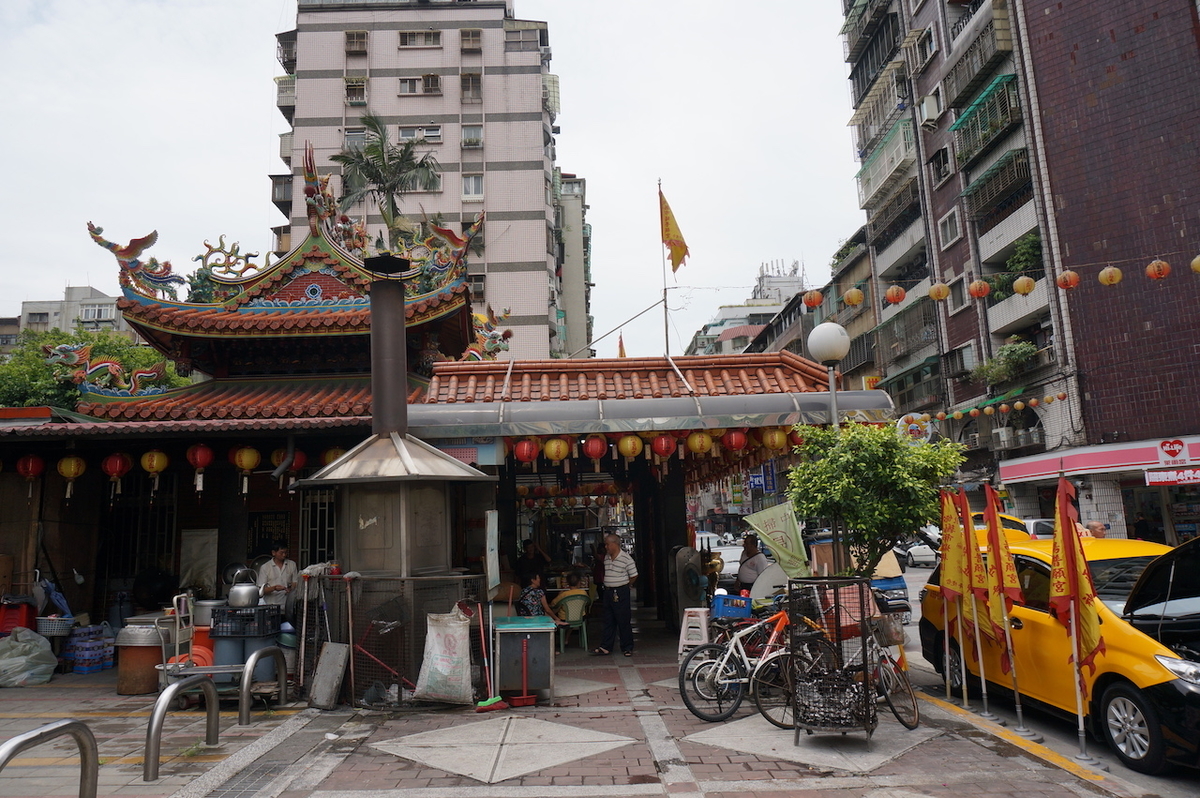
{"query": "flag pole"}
(985, 713)
(663, 254)
(946, 645)
(962, 657)
(1021, 730)
(1083, 755)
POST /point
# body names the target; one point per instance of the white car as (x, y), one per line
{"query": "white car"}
(922, 553)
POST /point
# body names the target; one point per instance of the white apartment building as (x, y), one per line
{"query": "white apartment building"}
(575, 275)
(473, 82)
(81, 308)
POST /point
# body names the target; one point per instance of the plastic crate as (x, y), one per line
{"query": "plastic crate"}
(730, 607)
(14, 615)
(260, 621)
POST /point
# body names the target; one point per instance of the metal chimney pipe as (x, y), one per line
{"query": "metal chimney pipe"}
(389, 348)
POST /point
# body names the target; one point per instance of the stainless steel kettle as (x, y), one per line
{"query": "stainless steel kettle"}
(242, 593)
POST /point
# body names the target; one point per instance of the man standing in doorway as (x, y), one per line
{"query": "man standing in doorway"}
(277, 576)
(620, 572)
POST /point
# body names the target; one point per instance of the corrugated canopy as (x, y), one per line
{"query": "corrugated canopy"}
(392, 458)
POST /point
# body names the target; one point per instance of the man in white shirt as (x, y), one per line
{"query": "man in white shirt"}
(278, 576)
(753, 563)
(620, 572)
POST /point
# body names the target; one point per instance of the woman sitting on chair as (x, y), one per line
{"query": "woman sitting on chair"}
(532, 601)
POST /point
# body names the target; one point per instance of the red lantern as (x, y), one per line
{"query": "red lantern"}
(1034, 402)
(200, 456)
(1062, 396)
(594, 448)
(664, 445)
(1024, 285)
(539, 491)
(116, 466)
(630, 446)
(973, 412)
(895, 294)
(979, 288)
(154, 462)
(1067, 280)
(1004, 408)
(298, 461)
(813, 299)
(1110, 275)
(939, 292)
(531, 503)
(71, 468)
(699, 442)
(795, 438)
(30, 466)
(854, 297)
(613, 501)
(526, 450)
(734, 440)
(1158, 269)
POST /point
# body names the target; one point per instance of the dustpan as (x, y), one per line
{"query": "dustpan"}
(525, 699)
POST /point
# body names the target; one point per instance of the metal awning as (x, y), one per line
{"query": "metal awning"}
(581, 417)
(393, 458)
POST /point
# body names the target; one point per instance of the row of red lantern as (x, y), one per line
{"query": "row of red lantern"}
(1157, 269)
(662, 445)
(975, 412)
(568, 502)
(542, 491)
(117, 465)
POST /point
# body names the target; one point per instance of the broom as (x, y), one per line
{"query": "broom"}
(492, 701)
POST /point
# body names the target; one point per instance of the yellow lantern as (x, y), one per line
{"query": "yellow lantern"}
(1110, 275)
(774, 438)
(1196, 264)
(699, 442)
(557, 450)
(630, 446)
(939, 291)
(246, 459)
(154, 462)
(1024, 285)
(331, 454)
(71, 468)
(854, 297)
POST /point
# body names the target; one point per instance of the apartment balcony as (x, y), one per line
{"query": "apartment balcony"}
(987, 121)
(1007, 175)
(909, 331)
(286, 141)
(285, 96)
(997, 235)
(862, 351)
(286, 51)
(1018, 312)
(894, 215)
(281, 193)
(847, 255)
(989, 49)
(887, 165)
(878, 111)
(861, 22)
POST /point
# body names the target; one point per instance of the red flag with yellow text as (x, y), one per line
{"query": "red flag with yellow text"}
(671, 236)
(1071, 584)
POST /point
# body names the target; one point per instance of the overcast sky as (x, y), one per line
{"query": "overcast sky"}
(143, 114)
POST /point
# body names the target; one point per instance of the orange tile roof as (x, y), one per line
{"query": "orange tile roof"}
(624, 378)
(748, 330)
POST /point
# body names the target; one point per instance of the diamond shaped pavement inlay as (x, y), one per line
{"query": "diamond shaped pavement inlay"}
(502, 748)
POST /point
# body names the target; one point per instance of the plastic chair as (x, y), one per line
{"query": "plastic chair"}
(573, 610)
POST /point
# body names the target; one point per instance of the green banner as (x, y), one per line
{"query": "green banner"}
(778, 531)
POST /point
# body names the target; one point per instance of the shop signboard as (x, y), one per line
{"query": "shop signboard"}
(1182, 476)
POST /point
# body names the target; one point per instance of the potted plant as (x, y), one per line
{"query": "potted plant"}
(1008, 363)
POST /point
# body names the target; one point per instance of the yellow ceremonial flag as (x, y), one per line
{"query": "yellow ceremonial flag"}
(955, 576)
(621, 344)
(1004, 587)
(671, 237)
(976, 573)
(1071, 584)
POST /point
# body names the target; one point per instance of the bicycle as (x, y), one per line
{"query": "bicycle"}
(715, 678)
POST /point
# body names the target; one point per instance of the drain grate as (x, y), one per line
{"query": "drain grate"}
(249, 781)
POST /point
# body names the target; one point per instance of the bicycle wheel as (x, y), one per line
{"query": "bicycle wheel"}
(772, 685)
(897, 691)
(711, 688)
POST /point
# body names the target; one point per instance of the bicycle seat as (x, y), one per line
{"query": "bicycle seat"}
(730, 623)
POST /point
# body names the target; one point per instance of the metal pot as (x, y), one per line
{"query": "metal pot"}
(203, 612)
(241, 593)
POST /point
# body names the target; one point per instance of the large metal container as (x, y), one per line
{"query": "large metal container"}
(139, 649)
(202, 614)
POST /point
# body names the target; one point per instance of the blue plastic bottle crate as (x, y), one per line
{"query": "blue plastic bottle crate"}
(730, 607)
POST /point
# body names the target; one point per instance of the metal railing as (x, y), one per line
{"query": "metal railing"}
(89, 757)
(159, 714)
(248, 674)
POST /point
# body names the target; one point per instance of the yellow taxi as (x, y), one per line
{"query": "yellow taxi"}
(1144, 696)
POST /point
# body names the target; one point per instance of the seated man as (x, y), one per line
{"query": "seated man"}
(753, 563)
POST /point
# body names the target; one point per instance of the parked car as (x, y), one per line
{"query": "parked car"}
(1014, 528)
(1040, 528)
(1144, 694)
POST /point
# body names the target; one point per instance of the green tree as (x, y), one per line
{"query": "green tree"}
(880, 486)
(27, 380)
(385, 172)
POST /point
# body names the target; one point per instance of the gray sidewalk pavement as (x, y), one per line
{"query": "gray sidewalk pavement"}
(617, 727)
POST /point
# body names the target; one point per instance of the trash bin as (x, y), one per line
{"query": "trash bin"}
(264, 671)
(139, 649)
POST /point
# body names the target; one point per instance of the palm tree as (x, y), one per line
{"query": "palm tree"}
(386, 172)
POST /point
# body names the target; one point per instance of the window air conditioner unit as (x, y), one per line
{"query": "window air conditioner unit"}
(972, 440)
(1002, 438)
(928, 112)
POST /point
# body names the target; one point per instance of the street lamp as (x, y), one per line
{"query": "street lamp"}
(828, 343)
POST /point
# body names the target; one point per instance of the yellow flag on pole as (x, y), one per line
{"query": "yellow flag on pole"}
(621, 344)
(671, 237)
(955, 576)
(1004, 587)
(1071, 584)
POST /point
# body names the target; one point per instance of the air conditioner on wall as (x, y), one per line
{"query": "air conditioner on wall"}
(971, 441)
(928, 111)
(1002, 438)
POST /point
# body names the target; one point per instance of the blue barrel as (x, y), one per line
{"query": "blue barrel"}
(264, 671)
(227, 651)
